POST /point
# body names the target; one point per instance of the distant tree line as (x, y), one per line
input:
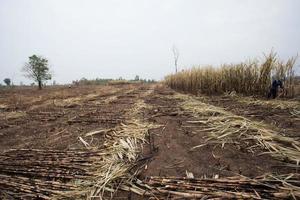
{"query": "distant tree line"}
(103, 81)
(97, 81)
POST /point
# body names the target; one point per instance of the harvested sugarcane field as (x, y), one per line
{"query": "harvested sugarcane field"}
(145, 141)
(149, 100)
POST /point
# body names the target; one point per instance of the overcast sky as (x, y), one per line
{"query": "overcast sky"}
(109, 39)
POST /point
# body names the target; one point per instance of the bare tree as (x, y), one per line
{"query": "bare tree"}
(37, 69)
(176, 56)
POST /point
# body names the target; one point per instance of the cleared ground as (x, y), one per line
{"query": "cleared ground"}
(179, 135)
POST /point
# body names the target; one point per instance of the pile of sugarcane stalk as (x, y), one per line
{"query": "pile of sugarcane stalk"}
(45, 116)
(92, 120)
(224, 188)
(29, 173)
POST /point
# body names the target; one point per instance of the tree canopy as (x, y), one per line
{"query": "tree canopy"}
(7, 81)
(37, 69)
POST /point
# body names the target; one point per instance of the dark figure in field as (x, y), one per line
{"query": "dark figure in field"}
(274, 88)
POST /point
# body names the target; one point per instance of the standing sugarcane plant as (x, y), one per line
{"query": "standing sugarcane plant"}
(247, 78)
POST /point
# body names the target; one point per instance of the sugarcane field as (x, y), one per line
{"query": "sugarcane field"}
(146, 141)
(149, 100)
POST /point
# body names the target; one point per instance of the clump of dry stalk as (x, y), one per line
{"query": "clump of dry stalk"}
(248, 78)
(225, 126)
(30, 173)
(50, 172)
(238, 187)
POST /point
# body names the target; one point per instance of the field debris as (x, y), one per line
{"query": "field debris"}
(78, 173)
(122, 153)
(12, 115)
(237, 187)
(102, 146)
(227, 127)
(31, 173)
(275, 104)
(103, 131)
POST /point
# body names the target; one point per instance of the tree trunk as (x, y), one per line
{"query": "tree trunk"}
(40, 85)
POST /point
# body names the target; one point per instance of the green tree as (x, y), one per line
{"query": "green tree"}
(7, 81)
(37, 69)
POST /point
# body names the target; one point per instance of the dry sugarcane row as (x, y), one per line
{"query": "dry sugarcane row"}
(30, 174)
(229, 188)
(95, 120)
(33, 187)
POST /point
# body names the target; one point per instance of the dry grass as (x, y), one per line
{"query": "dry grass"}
(249, 78)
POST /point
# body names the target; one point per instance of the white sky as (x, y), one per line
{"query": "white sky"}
(109, 39)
